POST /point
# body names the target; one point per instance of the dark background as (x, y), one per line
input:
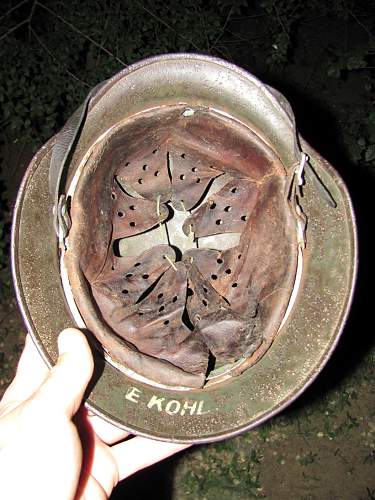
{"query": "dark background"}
(321, 55)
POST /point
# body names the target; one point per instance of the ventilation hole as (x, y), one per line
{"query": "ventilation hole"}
(113, 268)
(182, 177)
(219, 261)
(161, 308)
(228, 271)
(127, 164)
(183, 155)
(198, 180)
(132, 207)
(145, 167)
(218, 222)
(194, 169)
(140, 314)
(166, 322)
(212, 206)
(244, 217)
(234, 285)
(113, 196)
(204, 302)
(228, 208)
(120, 214)
(132, 224)
(157, 173)
(154, 151)
(140, 181)
(190, 292)
(125, 292)
(239, 256)
(129, 275)
(175, 298)
(160, 295)
(137, 264)
(145, 276)
(213, 277)
(205, 289)
(233, 190)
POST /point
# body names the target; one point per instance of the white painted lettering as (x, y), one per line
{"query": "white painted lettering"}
(200, 410)
(172, 407)
(189, 406)
(155, 401)
(133, 394)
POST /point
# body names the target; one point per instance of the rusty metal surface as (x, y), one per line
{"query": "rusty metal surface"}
(298, 352)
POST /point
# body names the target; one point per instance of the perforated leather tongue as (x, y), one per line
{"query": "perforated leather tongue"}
(200, 242)
(155, 324)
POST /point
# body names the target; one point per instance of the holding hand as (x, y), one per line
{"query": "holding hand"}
(50, 446)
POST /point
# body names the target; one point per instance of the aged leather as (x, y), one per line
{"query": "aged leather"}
(183, 307)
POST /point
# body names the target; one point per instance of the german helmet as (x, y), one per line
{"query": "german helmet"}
(205, 248)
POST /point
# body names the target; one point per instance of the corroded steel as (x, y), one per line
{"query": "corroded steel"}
(229, 293)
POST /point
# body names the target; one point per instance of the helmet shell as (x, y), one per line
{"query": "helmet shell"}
(305, 342)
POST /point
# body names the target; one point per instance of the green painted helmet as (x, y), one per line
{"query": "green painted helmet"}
(206, 249)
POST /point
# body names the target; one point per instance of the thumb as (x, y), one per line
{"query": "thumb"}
(66, 383)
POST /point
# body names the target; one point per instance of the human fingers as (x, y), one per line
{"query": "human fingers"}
(66, 383)
(98, 467)
(137, 453)
(107, 465)
(107, 432)
(39, 435)
(31, 373)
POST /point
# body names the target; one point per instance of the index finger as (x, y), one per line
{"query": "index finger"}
(139, 452)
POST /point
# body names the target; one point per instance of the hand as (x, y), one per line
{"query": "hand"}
(51, 446)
